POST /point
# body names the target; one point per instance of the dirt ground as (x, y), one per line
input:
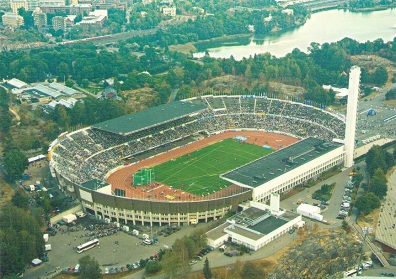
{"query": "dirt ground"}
(122, 179)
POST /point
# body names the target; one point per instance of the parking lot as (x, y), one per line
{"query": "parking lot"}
(332, 210)
(116, 250)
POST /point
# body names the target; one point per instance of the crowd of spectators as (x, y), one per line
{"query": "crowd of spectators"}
(91, 152)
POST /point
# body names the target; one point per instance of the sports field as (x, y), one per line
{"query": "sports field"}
(198, 172)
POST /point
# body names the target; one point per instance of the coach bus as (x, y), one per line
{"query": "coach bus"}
(88, 245)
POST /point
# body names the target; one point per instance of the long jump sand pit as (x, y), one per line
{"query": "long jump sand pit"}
(122, 178)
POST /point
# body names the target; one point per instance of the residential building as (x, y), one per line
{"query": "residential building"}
(70, 20)
(59, 23)
(40, 19)
(169, 11)
(76, 9)
(17, 4)
(5, 5)
(73, 9)
(97, 17)
(12, 20)
(52, 2)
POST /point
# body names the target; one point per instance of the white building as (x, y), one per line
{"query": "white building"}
(286, 168)
(59, 23)
(169, 11)
(310, 211)
(17, 4)
(12, 20)
(53, 2)
(256, 226)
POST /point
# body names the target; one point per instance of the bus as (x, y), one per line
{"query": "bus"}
(88, 245)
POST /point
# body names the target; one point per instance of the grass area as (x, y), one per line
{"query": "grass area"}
(198, 172)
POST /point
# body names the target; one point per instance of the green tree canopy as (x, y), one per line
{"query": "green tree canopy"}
(367, 203)
(378, 184)
(15, 163)
(21, 239)
(206, 269)
(89, 268)
(153, 267)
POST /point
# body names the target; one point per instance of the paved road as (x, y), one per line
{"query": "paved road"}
(217, 258)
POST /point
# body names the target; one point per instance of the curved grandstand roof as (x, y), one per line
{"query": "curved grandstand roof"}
(150, 117)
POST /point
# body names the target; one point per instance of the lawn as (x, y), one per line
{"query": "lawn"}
(198, 172)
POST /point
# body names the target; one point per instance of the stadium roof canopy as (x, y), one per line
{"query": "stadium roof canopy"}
(262, 170)
(144, 119)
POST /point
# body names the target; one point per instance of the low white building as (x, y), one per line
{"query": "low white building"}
(256, 226)
(310, 211)
(169, 11)
(12, 20)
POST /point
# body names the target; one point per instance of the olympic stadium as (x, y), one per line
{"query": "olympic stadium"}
(279, 144)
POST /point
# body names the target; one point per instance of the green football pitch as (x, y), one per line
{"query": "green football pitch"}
(198, 172)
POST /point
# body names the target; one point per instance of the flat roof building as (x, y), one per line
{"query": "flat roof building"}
(17, 4)
(254, 227)
(287, 167)
(12, 20)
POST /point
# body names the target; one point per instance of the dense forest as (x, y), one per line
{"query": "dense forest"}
(324, 64)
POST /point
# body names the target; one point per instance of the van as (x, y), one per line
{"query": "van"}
(147, 242)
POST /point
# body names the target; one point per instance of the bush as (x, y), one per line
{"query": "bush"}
(153, 267)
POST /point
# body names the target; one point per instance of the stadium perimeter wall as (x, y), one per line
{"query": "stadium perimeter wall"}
(147, 212)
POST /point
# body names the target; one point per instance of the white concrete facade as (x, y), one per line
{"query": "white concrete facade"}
(350, 127)
(299, 175)
(255, 244)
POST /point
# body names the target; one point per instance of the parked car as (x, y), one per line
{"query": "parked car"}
(193, 262)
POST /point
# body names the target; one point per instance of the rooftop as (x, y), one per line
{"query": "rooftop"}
(44, 90)
(262, 170)
(62, 88)
(268, 225)
(148, 118)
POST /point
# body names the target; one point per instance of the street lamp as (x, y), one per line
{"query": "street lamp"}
(365, 232)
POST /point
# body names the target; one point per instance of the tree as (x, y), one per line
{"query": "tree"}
(89, 268)
(21, 239)
(391, 94)
(27, 17)
(176, 262)
(15, 163)
(367, 203)
(378, 184)
(153, 267)
(206, 269)
(20, 200)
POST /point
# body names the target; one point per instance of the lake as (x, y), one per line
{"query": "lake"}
(327, 26)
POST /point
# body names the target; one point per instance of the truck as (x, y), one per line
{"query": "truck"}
(69, 218)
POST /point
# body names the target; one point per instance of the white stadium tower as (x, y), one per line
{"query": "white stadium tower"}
(350, 127)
